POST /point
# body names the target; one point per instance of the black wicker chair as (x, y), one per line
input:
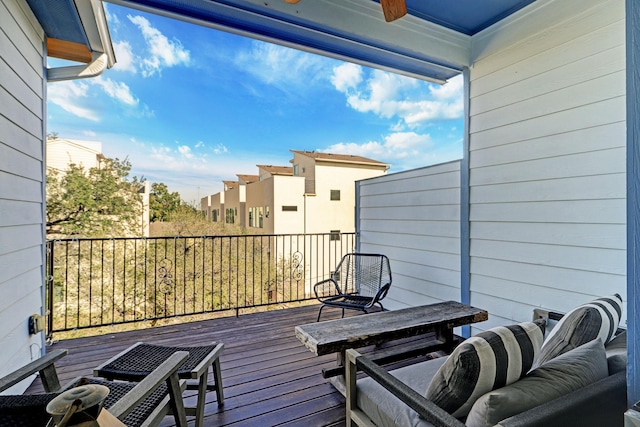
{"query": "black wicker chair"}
(135, 404)
(359, 282)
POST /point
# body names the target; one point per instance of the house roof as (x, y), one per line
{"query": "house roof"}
(340, 158)
(248, 179)
(431, 42)
(277, 170)
(228, 185)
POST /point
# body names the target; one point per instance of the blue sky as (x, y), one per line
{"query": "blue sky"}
(191, 106)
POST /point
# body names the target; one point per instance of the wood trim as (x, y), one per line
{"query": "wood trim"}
(393, 9)
(57, 48)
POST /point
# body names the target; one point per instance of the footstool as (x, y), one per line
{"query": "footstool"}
(136, 362)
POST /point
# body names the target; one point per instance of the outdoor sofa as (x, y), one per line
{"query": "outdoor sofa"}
(507, 376)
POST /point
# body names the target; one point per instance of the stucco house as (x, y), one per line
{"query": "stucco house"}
(548, 185)
(315, 195)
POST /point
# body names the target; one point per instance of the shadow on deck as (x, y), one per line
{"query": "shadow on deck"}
(269, 377)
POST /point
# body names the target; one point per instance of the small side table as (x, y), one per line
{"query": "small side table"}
(136, 362)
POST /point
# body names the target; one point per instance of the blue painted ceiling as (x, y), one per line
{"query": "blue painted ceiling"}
(60, 20)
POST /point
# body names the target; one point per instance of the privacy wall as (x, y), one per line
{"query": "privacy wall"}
(413, 217)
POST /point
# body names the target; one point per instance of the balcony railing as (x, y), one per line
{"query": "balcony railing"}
(98, 282)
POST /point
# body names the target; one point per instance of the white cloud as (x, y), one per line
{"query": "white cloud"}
(90, 133)
(69, 95)
(185, 151)
(395, 146)
(220, 149)
(125, 57)
(389, 95)
(403, 150)
(117, 90)
(283, 67)
(162, 51)
(346, 77)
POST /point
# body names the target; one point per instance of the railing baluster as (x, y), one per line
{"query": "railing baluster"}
(231, 273)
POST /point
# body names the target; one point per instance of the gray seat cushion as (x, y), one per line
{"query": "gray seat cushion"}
(386, 410)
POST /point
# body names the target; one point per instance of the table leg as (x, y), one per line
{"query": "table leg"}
(445, 335)
(338, 381)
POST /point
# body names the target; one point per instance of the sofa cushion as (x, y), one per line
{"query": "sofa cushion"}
(486, 361)
(616, 350)
(386, 410)
(596, 319)
(570, 371)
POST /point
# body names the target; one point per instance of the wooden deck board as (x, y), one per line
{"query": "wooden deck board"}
(269, 377)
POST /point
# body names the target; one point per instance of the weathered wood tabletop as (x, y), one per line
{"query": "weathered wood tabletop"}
(335, 336)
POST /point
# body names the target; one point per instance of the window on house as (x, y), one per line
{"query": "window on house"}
(335, 235)
(335, 194)
(260, 217)
(289, 209)
(215, 215)
(250, 217)
(296, 170)
(266, 211)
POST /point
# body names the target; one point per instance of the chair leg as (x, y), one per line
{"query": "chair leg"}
(217, 376)
(202, 397)
(319, 313)
(343, 312)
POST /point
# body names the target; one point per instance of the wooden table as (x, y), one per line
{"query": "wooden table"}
(336, 336)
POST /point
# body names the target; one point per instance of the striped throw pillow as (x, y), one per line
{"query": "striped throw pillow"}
(484, 362)
(596, 319)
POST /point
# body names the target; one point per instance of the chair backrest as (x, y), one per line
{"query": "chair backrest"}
(364, 274)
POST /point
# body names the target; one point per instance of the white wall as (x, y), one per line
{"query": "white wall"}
(22, 94)
(62, 152)
(547, 159)
(413, 217)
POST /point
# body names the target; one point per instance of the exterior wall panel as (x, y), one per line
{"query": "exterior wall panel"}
(547, 162)
(22, 109)
(413, 218)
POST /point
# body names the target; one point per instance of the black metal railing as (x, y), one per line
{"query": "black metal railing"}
(97, 282)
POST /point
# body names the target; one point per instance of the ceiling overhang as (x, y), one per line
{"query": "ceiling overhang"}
(353, 30)
(76, 30)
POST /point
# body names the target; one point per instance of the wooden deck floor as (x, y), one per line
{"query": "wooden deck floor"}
(269, 377)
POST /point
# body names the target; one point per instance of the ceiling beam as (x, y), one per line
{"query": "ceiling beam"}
(393, 9)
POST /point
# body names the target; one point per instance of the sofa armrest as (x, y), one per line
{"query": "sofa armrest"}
(424, 407)
(601, 403)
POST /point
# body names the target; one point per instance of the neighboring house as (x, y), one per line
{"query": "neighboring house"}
(88, 154)
(315, 195)
(62, 152)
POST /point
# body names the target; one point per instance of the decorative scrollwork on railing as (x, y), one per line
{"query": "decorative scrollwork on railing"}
(297, 270)
(165, 276)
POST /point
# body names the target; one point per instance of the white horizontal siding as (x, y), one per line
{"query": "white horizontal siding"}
(21, 182)
(413, 218)
(547, 162)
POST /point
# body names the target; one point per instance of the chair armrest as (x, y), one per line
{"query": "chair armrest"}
(424, 407)
(44, 365)
(326, 284)
(167, 371)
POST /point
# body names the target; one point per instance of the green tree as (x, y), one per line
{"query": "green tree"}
(162, 203)
(100, 201)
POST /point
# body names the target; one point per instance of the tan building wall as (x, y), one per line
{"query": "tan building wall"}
(62, 152)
